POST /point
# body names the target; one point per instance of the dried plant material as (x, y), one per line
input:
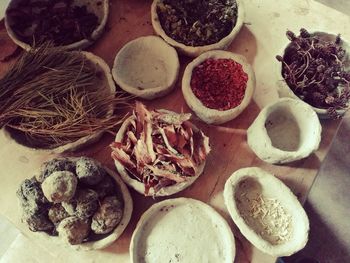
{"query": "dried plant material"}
(159, 149)
(197, 22)
(52, 97)
(60, 21)
(315, 71)
(269, 218)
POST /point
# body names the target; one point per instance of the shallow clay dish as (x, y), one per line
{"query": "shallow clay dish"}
(182, 230)
(285, 91)
(139, 186)
(146, 67)
(100, 10)
(242, 193)
(285, 131)
(213, 116)
(196, 51)
(82, 142)
(107, 239)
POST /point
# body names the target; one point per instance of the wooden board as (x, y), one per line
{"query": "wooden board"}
(261, 38)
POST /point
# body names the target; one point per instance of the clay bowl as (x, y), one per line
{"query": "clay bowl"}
(146, 67)
(139, 186)
(204, 235)
(197, 50)
(285, 131)
(99, 8)
(253, 198)
(213, 116)
(284, 89)
(103, 240)
(108, 83)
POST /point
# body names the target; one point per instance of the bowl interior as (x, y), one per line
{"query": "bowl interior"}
(289, 129)
(147, 63)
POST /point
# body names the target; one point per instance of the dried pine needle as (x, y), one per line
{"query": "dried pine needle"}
(52, 97)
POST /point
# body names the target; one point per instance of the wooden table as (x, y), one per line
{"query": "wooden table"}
(262, 37)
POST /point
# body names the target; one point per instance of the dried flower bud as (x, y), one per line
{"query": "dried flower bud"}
(291, 36)
(304, 33)
(279, 58)
(338, 39)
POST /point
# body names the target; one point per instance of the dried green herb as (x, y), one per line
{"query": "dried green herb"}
(197, 22)
(315, 71)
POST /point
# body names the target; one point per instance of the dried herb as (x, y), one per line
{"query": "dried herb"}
(51, 97)
(219, 83)
(197, 22)
(314, 69)
(59, 21)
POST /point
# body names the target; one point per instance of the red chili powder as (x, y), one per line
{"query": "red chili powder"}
(219, 83)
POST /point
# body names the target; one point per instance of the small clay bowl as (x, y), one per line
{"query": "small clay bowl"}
(99, 8)
(204, 235)
(139, 186)
(285, 91)
(285, 131)
(242, 192)
(146, 67)
(194, 51)
(105, 239)
(19, 138)
(213, 116)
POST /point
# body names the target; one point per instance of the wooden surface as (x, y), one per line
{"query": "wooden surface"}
(261, 38)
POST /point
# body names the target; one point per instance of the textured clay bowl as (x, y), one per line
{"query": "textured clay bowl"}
(182, 230)
(285, 91)
(100, 10)
(106, 239)
(285, 131)
(82, 142)
(139, 186)
(196, 51)
(146, 67)
(244, 185)
(213, 116)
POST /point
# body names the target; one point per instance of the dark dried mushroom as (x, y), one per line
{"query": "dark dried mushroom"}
(105, 187)
(60, 186)
(34, 206)
(83, 205)
(37, 219)
(30, 192)
(108, 216)
(73, 230)
(88, 171)
(55, 165)
(57, 213)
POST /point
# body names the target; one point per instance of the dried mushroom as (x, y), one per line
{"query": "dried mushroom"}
(57, 213)
(73, 230)
(197, 22)
(105, 187)
(108, 216)
(34, 206)
(88, 171)
(63, 205)
(83, 205)
(60, 186)
(55, 165)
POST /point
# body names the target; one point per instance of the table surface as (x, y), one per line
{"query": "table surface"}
(262, 37)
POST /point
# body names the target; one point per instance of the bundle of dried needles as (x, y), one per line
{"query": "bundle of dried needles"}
(51, 97)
